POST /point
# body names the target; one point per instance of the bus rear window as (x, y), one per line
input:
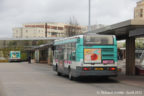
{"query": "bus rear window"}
(98, 40)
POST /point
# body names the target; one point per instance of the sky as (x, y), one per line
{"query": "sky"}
(14, 13)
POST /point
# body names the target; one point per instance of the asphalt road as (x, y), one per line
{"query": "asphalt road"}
(22, 79)
(2, 93)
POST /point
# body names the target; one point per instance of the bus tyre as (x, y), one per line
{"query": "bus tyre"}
(58, 73)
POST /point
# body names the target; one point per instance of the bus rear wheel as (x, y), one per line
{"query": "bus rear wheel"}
(58, 73)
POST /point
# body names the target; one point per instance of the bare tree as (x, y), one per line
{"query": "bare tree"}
(73, 27)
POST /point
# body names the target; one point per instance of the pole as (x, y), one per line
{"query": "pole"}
(45, 30)
(89, 17)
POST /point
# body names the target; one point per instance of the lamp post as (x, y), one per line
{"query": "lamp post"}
(89, 17)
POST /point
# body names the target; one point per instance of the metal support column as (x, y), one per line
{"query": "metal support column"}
(130, 56)
(49, 56)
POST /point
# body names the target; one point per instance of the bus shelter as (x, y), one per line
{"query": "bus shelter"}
(44, 54)
(127, 30)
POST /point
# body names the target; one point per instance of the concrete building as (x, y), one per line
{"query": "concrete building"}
(28, 32)
(139, 10)
(50, 29)
(41, 30)
(139, 14)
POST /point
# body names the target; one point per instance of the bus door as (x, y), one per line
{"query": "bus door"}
(61, 59)
(66, 56)
(69, 62)
(73, 52)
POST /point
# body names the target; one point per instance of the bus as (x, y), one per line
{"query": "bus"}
(15, 56)
(86, 55)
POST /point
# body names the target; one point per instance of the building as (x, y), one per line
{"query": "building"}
(28, 32)
(139, 14)
(41, 30)
(139, 10)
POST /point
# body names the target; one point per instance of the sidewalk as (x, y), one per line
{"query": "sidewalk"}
(131, 80)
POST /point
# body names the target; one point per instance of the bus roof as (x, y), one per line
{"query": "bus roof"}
(73, 39)
(67, 40)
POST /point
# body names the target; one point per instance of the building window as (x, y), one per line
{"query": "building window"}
(26, 30)
(60, 28)
(54, 33)
(48, 27)
(141, 12)
(54, 27)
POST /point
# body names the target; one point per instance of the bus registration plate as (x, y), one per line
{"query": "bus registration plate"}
(100, 69)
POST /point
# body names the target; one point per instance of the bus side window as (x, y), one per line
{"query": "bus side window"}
(78, 40)
(73, 53)
(65, 52)
(62, 52)
(73, 56)
(55, 53)
(69, 51)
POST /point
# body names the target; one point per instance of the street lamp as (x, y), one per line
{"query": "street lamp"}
(89, 17)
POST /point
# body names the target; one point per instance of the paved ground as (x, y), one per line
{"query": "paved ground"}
(22, 79)
(2, 93)
(122, 65)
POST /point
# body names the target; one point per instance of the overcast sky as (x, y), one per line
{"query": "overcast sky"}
(14, 13)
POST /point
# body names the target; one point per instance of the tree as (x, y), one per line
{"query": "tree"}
(139, 44)
(73, 27)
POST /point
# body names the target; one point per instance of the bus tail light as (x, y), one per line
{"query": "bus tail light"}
(112, 69)
(86, 69)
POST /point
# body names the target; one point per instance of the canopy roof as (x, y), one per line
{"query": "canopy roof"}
(123, 29)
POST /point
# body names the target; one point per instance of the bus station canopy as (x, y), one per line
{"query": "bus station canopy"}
(123, 30)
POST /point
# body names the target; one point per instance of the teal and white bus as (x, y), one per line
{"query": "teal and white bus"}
(15, 56)
(86, 55)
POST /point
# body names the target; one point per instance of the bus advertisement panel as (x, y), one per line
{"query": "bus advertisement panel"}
(92, 55)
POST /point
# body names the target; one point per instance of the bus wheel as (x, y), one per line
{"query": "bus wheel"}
(58, 73)
(70, 75)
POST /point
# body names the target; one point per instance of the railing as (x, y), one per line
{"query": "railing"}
(142, 58)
